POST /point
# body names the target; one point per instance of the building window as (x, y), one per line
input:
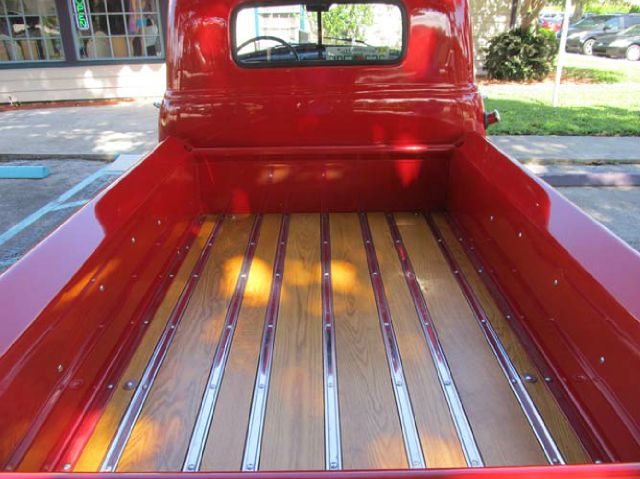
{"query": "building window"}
(29, 31)
(119, 29)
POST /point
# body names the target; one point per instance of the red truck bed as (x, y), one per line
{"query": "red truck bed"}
(296, 340)
(326, 269)
(371, 419)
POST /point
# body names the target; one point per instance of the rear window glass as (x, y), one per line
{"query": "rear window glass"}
(322, 33)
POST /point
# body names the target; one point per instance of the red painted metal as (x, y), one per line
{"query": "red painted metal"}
(572, 283)
(85, 284)
(352, 138)
(429, 98)
(71, 444)
(272, 186)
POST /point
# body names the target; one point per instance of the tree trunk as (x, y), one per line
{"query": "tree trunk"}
(579, 10)
(529, 13)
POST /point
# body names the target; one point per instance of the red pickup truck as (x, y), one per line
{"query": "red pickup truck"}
(323, 269)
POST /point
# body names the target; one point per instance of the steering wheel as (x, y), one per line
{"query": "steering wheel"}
(269, 37)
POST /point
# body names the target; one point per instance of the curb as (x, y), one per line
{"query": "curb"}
(567, 161)
(105, 158)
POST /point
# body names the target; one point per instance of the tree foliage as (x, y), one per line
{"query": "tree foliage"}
(347, 21)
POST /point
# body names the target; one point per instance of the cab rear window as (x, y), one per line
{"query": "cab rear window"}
(318, 33)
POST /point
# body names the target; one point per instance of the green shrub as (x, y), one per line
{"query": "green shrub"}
(520, 55)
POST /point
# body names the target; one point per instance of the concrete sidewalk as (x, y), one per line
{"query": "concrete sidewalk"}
(79, 132)
(582, 149)
(103, 131)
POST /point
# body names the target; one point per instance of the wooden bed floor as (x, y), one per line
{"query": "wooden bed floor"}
(308, 341)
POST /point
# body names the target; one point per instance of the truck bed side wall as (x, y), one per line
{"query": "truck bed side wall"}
(572, 283)
(71, 300)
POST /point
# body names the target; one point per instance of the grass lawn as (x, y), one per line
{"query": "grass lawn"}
(604, 68)
(609, 107)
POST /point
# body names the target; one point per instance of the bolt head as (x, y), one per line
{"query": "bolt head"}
(129, 385)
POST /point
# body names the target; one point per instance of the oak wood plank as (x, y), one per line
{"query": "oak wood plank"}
(225, 444)
(553, 416)
(370, 426)
(94, 451)
(160, 438)
(293, 436)
(438, 437)
(500, 427)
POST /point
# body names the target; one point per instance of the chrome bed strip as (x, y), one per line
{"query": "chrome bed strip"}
(200, 432)
(460, 420)
(412, 445)
(121, 437)
(251, 458)
(333, 447)
(549, 447)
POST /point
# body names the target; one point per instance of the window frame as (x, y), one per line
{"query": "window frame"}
(128, 59)
(316, 63)
(619, 23)
(31, 62)
(66, 19)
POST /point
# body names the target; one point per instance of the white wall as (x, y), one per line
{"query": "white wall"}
(82, 82)
(488, 18)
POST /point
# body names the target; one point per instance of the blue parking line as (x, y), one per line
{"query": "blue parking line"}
(31, 172)
(55, 204)
(72, 204)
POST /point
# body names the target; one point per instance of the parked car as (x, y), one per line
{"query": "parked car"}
(551, 21)
(624, 44)
(582, 35)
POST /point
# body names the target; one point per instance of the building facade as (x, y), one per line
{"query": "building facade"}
(81, 49)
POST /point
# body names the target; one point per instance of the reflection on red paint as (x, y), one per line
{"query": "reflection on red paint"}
(408, 171)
